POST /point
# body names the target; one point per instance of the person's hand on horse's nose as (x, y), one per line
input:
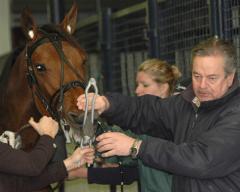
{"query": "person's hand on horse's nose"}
(101, 102)
(45, 126)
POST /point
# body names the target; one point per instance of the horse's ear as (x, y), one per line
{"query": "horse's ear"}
(28, 24)
(70, 20)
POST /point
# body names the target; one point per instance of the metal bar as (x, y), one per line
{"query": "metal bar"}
(57, 10)
(215, 18)
(106, 47)
(90, 20)
(129, 10)
(154, 49)
(225, 6)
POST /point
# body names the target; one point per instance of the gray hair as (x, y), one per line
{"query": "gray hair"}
(216, 46)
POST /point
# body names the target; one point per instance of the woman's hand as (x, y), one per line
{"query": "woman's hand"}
(81, 172)
(45, 126)
(79, 157)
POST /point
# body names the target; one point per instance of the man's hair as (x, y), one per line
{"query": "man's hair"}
(215, 46)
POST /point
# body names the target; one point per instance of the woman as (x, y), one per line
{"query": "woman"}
(22, 171)
(157, 78)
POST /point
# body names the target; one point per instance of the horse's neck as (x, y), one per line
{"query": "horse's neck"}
(16, 104)
(14, 115)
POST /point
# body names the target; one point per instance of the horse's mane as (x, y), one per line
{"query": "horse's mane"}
(8, 66)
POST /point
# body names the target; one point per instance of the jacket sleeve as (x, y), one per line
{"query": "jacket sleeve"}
(55, 172)
(214, 153)
(52, 173)
(113, 176)
(23, 163)
(139, 114)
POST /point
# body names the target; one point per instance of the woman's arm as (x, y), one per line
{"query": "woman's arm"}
(23, 163)
(53, 173)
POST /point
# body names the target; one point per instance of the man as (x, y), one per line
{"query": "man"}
(198, 130)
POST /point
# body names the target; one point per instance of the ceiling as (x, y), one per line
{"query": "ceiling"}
(39, 6)
(86, 8)
(40, 10)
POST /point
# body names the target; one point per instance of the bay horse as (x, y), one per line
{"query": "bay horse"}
(46, 79)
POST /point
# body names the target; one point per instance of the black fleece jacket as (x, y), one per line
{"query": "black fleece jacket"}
(199, 145)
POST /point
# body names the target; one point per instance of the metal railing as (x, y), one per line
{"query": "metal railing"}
(117, 42)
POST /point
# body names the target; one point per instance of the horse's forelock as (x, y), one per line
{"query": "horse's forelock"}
(55, 29)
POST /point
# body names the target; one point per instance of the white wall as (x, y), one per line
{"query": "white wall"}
(5, 32)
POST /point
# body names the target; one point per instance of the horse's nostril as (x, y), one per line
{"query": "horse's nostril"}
(75, 117)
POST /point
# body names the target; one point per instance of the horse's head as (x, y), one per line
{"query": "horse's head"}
(55, 69)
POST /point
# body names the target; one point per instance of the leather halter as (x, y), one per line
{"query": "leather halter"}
(58, 97)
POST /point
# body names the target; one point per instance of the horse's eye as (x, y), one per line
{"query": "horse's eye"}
(40, 67)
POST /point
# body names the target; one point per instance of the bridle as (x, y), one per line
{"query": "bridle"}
(54, 106)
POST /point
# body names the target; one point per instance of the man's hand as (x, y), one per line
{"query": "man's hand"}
(45, 126)
(114, 143)
(101, 103)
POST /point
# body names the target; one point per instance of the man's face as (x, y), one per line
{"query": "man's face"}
(209, 79)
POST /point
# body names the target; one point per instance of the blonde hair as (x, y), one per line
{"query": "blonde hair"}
(161, 72)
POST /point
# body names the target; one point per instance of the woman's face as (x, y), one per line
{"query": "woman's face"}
(146, 85)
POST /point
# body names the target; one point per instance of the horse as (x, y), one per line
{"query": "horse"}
(46, 78)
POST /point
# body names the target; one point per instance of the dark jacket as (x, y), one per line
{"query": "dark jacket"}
(200, 146)
(21, 171)
(113, 176)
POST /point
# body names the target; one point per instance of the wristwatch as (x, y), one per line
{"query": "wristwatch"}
(134, 149)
